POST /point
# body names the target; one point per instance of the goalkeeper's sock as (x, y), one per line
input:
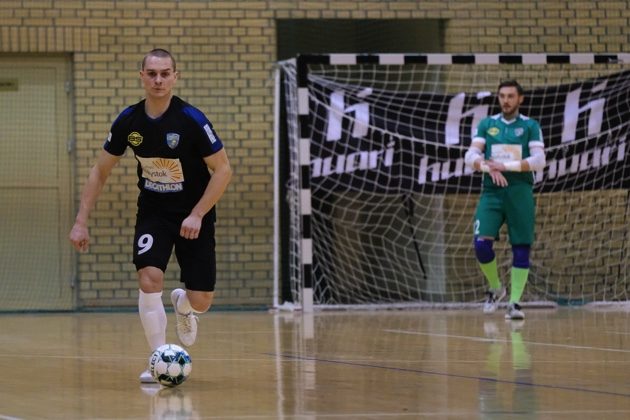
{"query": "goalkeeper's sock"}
(492, 273)
(518, 279)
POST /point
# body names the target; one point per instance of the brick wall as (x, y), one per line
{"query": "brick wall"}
(225, 52)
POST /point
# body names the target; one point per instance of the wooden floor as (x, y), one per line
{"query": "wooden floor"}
(558, 364)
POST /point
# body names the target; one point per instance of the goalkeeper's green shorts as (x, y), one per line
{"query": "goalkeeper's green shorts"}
(514, 205)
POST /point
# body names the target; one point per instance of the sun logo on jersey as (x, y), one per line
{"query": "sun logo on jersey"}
(134, 138)
(170, 167)
(493, 131)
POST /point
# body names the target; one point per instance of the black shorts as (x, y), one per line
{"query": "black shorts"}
(157, 234)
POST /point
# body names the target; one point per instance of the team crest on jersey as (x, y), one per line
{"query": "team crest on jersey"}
(519, 131)
(134, 138)
(493, 131)
(172, 140)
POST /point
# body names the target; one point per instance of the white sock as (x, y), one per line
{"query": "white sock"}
(153, 317)
(183, 304)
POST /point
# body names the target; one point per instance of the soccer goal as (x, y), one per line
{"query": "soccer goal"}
(381, 203)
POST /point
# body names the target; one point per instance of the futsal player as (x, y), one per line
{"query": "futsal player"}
(183, 170)
(507, 148)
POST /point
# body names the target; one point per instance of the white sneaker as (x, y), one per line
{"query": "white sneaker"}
(186, 326)
(493, 297)
(514, 312)
(147, 378)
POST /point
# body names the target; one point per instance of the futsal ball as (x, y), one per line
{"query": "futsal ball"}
(170, 365)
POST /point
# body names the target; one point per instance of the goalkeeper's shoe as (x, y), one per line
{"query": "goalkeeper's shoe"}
(514, 312)
(493, 297)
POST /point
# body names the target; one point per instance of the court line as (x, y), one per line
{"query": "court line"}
(423, 414)
(449, 375)
(501, 340)
(617, 332)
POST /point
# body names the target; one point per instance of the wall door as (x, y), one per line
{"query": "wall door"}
(35, 187)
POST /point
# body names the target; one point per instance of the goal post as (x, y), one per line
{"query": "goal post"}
(381, 203)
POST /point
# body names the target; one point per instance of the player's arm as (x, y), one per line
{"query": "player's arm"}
(535, 162)
(219, 164)
(475, 160)
(474, 155)
(79, 236)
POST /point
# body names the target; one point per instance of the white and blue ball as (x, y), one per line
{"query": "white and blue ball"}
(170, 365)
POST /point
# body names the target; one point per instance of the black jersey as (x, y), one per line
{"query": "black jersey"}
(172, 175)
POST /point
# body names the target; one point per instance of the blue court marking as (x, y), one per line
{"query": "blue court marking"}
(450, 375)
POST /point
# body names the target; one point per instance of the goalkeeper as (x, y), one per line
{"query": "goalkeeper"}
(507, 148)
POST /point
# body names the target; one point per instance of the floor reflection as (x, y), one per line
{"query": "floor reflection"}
(506, 386)
(169, 403)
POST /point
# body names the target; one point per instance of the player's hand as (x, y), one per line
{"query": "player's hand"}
(190, 227)
(495, 166)
(79, 237)
(498, 178)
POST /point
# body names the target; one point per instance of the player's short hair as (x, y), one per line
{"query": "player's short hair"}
(159, 52)
(511, 83)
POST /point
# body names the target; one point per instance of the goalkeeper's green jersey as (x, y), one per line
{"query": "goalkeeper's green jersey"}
(508, 141)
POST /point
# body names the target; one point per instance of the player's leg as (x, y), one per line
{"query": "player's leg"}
(187, 300)
(487, 260)
(197, 261)
(150, 306)
(488, 221)
(187, 305)
(152, 248)
(496, 291)
(151, 310)
(518, 279)
(520, 215)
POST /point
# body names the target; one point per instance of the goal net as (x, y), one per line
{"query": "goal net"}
(381, 203)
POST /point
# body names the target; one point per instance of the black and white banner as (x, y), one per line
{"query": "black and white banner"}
(391, 142)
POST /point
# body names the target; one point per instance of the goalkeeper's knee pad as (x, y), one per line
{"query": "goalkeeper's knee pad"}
(520, 256)
(483, 250)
